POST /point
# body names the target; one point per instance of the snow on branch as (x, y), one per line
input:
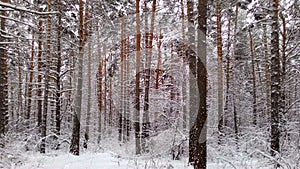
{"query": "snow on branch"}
(19, 8)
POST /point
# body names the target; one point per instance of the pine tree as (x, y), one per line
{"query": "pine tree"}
(220, 67)
(197, 63)
(74, 147)
(47, 80)
(275, 82)
(137, 81)
(254, 103)
(3, 76)
(58, 71)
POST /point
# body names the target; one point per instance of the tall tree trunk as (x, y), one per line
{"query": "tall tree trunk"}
(74, 147)
(47, 79)
(110, 115)
(137, 80)
(283, 71)
(227, 98)
(3, 78)
(197, 65)
(234, 78)
(275, 82)
(105, 90)
(71, 86)
(39, 81)
(184, 86)
(267, 71)
(254, 104)
(192, 76)
(121, 108)
(126, 116)
(58, 72)
(88, 113)
(127, 91)
(29, 95)
(99, 90)
(20, 91)
(146, 119)
(220, 67)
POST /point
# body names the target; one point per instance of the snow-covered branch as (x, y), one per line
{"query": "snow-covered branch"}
(19, 8)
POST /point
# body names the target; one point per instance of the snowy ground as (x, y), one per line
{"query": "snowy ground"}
(106, 160)
(110, 154)
(96, 161)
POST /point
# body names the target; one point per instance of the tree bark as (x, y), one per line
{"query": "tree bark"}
(47, 79)
(20, 91)
(39, 80)
(146, 120)
(29, 95)
(275, 82)
(58, 72)
(220, 67)
(267, 71)
(228, 93)
(254, 104)
(122, 58)
(3, 78)
(100, 79)
(137, 81)
(88, 113)
(184, 86)
(74, 147)
(197, 147)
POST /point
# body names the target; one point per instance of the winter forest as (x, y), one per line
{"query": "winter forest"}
(152, 84)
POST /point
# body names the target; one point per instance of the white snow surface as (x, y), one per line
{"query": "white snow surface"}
(90, 160)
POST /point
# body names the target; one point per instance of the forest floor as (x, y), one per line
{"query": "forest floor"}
(110, 154)
(108, 160)
(90, 160)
